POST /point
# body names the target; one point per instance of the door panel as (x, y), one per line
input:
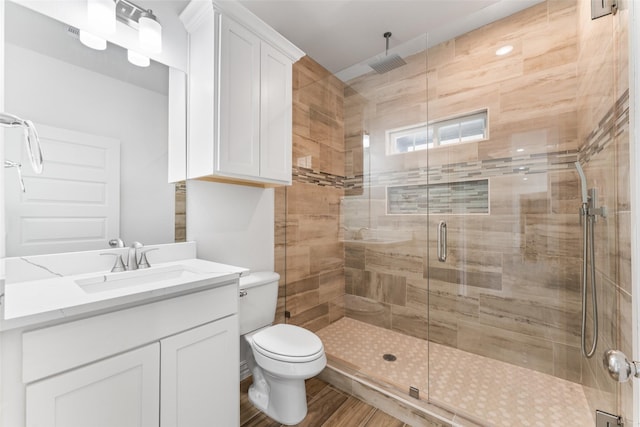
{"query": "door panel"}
(120, 391)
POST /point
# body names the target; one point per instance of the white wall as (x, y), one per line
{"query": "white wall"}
(59, 94)
(232, 224)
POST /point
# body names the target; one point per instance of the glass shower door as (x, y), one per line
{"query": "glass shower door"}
(505, 306)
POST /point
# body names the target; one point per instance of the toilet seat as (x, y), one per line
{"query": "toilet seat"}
(288, 343)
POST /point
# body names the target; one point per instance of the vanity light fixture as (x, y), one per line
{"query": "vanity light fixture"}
(149, 29)
(91, 40)
(137, 59)
(150, 32)
(504, 50)
(101, 15)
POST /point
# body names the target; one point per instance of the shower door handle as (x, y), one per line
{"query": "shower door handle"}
(442, 241)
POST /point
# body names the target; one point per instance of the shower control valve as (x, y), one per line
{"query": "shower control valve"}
(619, 367)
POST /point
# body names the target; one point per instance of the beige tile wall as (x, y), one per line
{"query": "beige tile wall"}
(180, 223)
(309, 255)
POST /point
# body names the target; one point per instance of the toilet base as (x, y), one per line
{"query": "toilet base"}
(284, 400)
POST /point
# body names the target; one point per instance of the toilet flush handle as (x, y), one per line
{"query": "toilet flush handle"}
(243, 293)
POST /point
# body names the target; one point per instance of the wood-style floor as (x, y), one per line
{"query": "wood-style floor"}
(327, 406)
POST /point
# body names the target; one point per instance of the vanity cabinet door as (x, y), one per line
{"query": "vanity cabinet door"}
(200, 376)
(239, 144)
(275, 115)
(119, 391)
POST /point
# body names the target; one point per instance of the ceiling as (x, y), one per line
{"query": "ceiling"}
(344, 35)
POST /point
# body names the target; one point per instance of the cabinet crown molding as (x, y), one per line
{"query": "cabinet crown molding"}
(241, 14)
(194, 13)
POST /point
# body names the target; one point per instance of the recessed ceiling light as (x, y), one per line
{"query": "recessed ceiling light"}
(504, 50)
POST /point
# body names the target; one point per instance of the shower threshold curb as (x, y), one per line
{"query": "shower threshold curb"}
(405, 409)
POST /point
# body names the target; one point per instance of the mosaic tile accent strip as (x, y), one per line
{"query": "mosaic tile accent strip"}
(309, 176)
(612, 124)
(463, 197)
(464, 171)
(456, 172)
(493, 392)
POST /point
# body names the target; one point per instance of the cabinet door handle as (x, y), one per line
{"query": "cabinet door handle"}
(442, 241)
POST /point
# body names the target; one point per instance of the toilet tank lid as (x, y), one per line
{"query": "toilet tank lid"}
(258, 278)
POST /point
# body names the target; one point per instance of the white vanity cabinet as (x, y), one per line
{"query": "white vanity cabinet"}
(167, 363)
(240, 96)
(119, 391)
(200, 386)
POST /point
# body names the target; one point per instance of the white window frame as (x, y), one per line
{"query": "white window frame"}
(392, 135)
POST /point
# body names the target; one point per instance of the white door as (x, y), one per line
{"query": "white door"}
(120, 391)
(200, 376)
(239, 144)
(74, 205)
(275, 115)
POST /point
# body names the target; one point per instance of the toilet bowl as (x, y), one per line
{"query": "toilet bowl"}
(281, 357)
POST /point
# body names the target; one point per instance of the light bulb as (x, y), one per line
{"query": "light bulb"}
(150, 33)
(137, 59)
(101, 15)
(91, 40)
(504, 50)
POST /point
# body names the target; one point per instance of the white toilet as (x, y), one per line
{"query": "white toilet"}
(280, 357)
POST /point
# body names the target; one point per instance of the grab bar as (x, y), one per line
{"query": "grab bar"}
(442, 241)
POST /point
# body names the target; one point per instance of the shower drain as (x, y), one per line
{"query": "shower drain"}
(389, 357)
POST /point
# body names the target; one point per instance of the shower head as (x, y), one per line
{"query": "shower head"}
(583, 183)
(388, 62)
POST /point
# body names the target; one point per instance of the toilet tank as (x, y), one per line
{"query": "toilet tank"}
(258, 300)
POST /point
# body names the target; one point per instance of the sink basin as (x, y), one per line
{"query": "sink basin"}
(110, 281)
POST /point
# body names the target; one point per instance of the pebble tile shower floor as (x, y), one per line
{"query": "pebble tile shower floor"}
(492, 392)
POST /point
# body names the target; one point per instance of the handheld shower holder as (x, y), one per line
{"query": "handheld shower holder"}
(592, 209)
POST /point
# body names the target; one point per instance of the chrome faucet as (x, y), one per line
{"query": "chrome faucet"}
(358, 234)
(132, 257)
(116, 243)
(348, 233)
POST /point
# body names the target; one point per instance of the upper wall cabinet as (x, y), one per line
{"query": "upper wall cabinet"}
(239, 106)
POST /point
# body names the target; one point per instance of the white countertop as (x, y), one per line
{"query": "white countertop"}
(53, 298)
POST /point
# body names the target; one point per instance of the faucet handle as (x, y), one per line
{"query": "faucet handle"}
(144, 263)
(119, 264)
(116, 243)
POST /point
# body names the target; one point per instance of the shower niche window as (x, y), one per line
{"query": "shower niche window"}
(466, 128)
(458, 198)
